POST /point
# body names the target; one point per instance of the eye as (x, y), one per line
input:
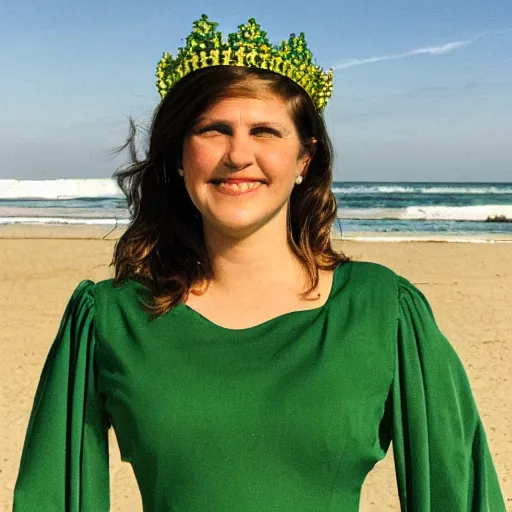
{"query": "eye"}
(265, 131)
(213, 129)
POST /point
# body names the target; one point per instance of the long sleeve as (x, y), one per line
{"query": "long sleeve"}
(64, 464)
(442, 458)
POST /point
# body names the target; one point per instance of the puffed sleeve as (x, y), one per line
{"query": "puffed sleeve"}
(441, 454)
(64, 464)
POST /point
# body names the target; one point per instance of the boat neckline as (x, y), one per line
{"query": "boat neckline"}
(272, 320)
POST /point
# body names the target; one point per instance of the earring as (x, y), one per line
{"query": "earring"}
(298, 179)
(181, 173)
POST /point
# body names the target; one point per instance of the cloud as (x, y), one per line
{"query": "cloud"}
(431, 50)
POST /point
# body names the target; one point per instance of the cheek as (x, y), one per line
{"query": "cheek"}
(199, 157)
(279, 160)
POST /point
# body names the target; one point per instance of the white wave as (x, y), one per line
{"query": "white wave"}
(59, 189)
(456, 213)
(64, 220)
(96, 188)
(421, 189)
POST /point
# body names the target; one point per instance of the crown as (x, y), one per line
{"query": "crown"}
(249, 47)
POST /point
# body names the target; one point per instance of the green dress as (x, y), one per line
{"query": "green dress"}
(286, 416)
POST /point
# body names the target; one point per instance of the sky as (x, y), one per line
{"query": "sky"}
(422, 90)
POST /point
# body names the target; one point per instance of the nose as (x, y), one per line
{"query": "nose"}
(238, 152)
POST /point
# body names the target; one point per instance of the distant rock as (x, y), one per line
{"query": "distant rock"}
(498, 218)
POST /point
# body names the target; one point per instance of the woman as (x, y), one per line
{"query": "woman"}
(243, 363)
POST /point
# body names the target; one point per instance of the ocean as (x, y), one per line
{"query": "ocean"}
(456, 209)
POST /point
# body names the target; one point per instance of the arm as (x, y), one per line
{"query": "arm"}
(441, 453)
(64, 465)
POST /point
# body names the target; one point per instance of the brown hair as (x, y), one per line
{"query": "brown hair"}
(163, 247)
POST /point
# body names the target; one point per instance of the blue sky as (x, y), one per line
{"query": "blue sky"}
(423, 90)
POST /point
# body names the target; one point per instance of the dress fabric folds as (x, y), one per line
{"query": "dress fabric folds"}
(64, 466)
(287, 416)
(442, 458)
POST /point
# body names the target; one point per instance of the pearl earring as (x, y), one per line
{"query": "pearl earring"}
(181, 173)
(298, 179)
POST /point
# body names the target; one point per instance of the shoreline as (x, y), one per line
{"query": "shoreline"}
(114, 232)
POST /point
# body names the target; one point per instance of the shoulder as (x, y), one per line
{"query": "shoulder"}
(380, 287)
(105, 297)
(118, 303)
(110, 294)
(385, 289)
(369, 288)
(370, 277)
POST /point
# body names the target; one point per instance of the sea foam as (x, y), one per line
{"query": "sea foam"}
(59, 189)
(476, 213)
(423, 188)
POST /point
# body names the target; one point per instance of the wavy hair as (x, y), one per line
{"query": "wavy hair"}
(163, 247)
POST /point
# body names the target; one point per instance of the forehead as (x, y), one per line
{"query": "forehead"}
(268, 108)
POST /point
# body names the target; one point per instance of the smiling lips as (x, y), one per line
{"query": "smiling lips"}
(217, 181)
(237, 186)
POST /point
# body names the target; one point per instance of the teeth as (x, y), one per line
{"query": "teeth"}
(246, 185)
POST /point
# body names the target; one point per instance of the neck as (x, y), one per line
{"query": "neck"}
(253, 262)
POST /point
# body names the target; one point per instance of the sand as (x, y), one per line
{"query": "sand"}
(468, 285)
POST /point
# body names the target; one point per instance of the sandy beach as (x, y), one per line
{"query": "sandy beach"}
(469, 286)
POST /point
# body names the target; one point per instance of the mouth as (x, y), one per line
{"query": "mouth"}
(218, 181)
(236, 186)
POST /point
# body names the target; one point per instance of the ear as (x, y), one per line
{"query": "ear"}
(308, 154)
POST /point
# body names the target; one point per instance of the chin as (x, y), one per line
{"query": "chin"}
(237, 227)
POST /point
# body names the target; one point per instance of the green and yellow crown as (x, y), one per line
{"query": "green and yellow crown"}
(249, 47)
